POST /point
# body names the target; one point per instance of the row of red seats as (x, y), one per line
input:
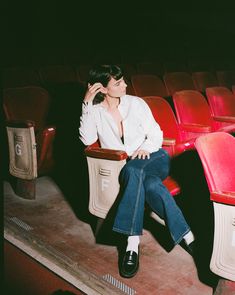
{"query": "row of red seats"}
(194, 115)
(141, 77)
(171, 82)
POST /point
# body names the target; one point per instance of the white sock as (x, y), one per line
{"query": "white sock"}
(189, 238)
(133, 243)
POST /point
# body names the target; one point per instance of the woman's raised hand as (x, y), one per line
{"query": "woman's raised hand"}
(92, 90)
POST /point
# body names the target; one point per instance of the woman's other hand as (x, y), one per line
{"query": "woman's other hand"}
(140, 154)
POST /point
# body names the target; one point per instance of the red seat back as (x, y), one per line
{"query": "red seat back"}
(178, 81)
(216, 151)
(145, 85)
(202, 80)
(221, 101)
(192, 108)
(164, 116)
(27, 103)
(32, 103)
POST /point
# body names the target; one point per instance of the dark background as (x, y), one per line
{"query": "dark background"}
(80, 32)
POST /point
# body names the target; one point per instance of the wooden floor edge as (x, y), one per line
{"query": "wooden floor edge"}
(76, 276)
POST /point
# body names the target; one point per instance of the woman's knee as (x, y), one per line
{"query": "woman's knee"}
(151, 184)
(155, 189)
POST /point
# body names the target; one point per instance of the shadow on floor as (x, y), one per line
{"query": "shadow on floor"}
(70, 173)
(195, 203)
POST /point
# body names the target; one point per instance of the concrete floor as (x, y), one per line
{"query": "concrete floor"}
(49, 230)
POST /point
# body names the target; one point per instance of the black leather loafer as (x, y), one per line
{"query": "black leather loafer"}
(130, 264)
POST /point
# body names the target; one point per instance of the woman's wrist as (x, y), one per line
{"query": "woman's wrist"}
(85, 102)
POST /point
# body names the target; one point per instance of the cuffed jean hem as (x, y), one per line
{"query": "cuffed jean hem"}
(127, 232)
(141, 233)
(181, 237)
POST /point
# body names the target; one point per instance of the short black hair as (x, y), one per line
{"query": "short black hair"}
(103, 74)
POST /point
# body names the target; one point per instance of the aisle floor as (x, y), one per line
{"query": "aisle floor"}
(48, 229)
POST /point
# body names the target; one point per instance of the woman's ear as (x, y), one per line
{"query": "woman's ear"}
(103, 90)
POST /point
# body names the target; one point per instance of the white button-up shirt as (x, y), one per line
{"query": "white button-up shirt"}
(140, 130)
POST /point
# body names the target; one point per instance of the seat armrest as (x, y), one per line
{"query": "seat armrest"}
(44, 140)
(184, 146)
(169, 141)
(20, 123)
(109, 154)
(223, 197)
(169, 145)
(195, 127)
(227, 119)
(229, 128)
(189, 144)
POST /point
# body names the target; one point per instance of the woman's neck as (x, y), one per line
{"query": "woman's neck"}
(111, 102)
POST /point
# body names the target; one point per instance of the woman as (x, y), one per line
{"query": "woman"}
(125, 122)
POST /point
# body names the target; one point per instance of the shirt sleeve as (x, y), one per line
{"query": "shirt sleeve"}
(154, 134)
(87, 128)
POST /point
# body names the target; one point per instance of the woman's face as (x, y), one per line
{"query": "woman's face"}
(116, 88)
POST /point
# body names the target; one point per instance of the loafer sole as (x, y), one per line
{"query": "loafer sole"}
(129, 275)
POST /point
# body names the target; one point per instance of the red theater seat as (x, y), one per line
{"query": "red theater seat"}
(226, 78)
(194, 114)
(174, 141)
(130, 90)
(222, 104)
(27, 107)
(178, 81)
(145, 85)
(216, 151)
(202, 80)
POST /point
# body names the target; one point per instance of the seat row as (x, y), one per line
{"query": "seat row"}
(143, 85)
(143, 79)
(193, 114)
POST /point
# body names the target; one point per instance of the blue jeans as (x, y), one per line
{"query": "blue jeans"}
(141, 181)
